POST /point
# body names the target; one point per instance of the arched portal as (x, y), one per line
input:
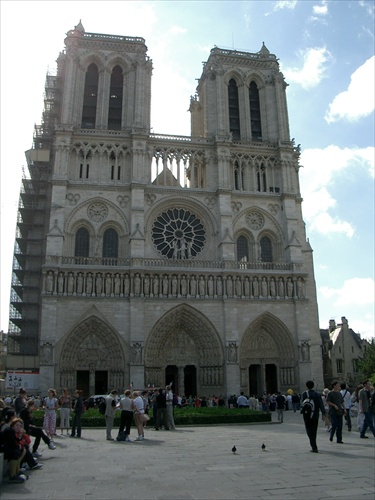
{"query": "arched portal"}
(92, 358)
(185, 345)
(267, 357)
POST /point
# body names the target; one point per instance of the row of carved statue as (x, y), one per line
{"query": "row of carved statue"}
(167, 285)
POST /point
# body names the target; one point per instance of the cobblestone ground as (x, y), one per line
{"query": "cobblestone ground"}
(197, 463)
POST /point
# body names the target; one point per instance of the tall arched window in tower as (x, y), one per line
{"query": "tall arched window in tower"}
(234, 109)
(110, 244)
(82, 243)
(242, 249)
(115, 99)
(256, 127)
(266, 249)
(90, 97)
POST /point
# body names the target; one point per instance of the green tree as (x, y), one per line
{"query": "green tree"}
(367, 364)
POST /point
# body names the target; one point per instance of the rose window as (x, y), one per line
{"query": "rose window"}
(178, 234)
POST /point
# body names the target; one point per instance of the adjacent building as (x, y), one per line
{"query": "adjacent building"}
(145, 258)
(342, 348)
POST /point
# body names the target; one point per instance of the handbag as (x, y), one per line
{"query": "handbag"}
(143, 417)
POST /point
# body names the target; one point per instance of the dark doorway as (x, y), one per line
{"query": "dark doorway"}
(83, 382)
(190, 380)
(271, 379)
(255, 380)
(101, 383)
(171, 377)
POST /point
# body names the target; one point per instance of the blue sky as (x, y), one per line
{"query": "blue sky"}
(326, 52)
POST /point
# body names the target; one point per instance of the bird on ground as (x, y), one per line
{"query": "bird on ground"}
(234, 449)
(263, 446)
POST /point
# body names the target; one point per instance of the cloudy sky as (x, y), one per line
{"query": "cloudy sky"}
(326, 52)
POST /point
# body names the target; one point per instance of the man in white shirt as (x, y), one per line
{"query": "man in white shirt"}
(110, 411)
(242, 401)
(169, 413)
(347, 403)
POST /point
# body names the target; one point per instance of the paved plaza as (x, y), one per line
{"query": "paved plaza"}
(197, 463)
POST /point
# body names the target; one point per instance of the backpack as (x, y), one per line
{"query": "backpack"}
(121, 436)
(307, 407)
(102, 407)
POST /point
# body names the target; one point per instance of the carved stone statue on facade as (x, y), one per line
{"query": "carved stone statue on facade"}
(117, 287)
(89, 283)
(79, 284)
(49, 282)
(46, 354)
(232, 352)
(137, 284)
(60, 283)
(305, 351)
(99, 284)
(146, 286)
(137, 353)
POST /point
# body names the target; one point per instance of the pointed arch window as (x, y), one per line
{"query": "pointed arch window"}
(256, 126)
(82, 243)
(115, 99)
(242, 249)
(90, 97)
(110, 244)
(266, 249)
(234, 109)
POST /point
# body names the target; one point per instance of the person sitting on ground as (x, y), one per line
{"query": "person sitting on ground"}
(13, 451)
(26, 415)
(24, 441)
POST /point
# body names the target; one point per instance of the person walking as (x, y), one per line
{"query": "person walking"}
(79, 408)
(336, 412)
(50, 405)
(280, 405)
(364, 398)
(65, 408)
(347, 398)
(311, 423)
(110, 411)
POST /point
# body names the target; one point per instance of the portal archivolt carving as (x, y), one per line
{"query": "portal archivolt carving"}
(186, 336)
(92, 346)
(267, 338)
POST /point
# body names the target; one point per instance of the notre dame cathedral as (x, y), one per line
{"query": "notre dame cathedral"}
(143, 259)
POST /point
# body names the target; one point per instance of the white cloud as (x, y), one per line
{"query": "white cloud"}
(313, 69)
(355, 299)
(321, 166)
(369, 6)
(358, 100)
(285, 4)
(321, 10)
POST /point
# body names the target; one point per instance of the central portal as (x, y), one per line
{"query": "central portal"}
(182, 379)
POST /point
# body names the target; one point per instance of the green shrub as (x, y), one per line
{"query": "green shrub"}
(182, 416)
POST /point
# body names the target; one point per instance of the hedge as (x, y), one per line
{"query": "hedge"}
(182, 416)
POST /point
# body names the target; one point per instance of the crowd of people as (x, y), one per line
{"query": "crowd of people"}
(336, 406)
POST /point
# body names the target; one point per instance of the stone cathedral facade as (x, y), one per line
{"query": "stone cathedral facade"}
(146, 259)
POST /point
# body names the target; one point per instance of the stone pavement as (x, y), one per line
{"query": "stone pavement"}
(197, 463)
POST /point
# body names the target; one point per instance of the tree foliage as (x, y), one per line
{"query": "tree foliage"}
(367, 364)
